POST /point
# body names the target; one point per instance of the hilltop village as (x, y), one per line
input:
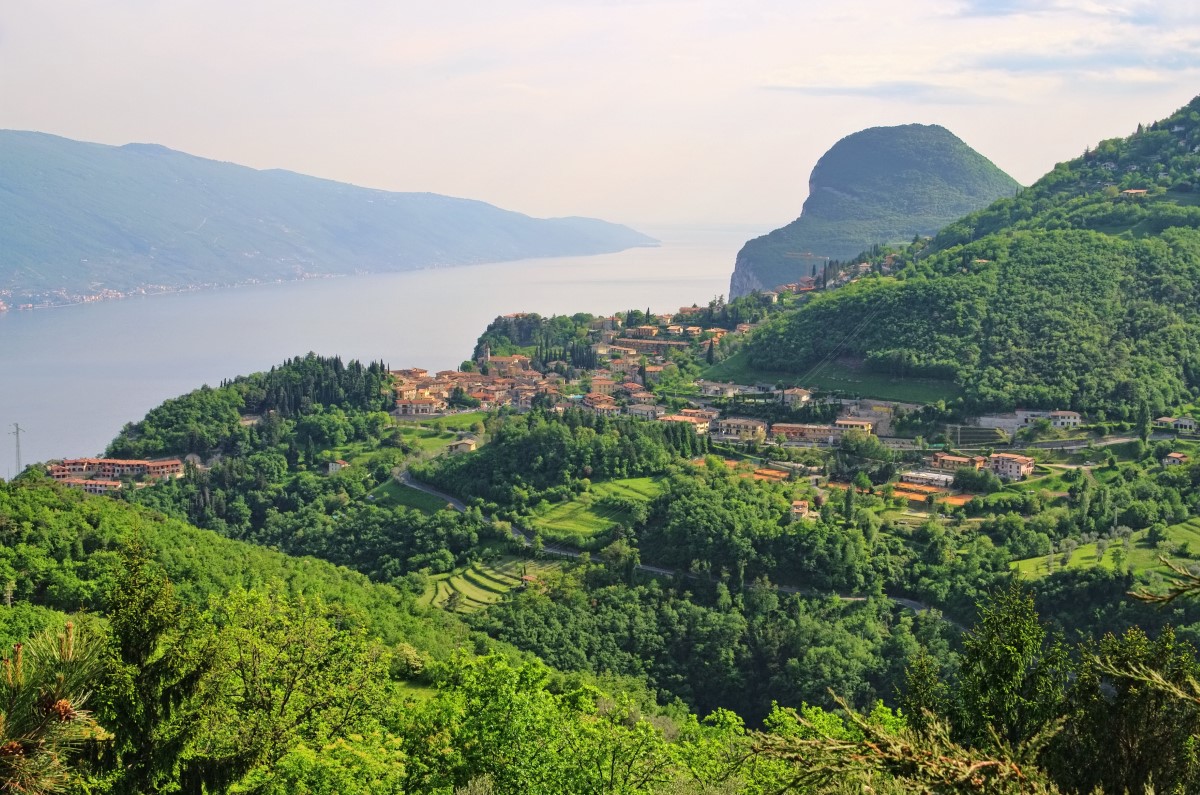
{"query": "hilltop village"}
(648, 369)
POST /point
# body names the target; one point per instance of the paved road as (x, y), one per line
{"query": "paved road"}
(526, 538)
(1079, 444)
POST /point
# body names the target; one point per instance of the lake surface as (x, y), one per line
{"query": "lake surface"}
(72, 377)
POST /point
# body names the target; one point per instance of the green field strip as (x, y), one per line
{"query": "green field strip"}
(632, 488)
(473, 593)
(441, 592)
(1141, 558)
(465, 603)
(490, 586)
(495, 578)
(504, 578)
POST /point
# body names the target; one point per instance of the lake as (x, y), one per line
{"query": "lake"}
(73, 376)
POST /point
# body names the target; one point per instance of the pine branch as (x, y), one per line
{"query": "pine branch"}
(1185, 583)
(929, 763)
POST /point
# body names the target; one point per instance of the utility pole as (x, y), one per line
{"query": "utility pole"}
(17, 433)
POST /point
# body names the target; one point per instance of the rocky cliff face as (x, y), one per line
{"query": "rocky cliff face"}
(881, 185)
(744, 280)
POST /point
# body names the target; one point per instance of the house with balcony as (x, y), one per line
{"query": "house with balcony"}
(1010, 466)
(739, 428)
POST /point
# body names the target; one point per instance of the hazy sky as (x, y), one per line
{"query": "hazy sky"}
(637, 111)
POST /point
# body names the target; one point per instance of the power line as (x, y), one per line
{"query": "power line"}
(17, 433)
(829, 357)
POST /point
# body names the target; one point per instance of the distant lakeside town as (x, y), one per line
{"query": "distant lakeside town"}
(53, 299)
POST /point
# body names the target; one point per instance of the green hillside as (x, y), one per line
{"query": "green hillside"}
(62, 548)
(1081, 292)
(881, 185)
(78, 218)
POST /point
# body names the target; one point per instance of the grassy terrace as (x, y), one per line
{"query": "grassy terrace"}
(584, 517)
(840, 379)
(430, 436)
(393, 493)
(455, 422)
(481, 584)
(427, 441)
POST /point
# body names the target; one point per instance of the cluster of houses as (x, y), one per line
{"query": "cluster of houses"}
(510, 381)
(632, 364)
(1024, 418)
(935, 481)
(661, 339)
(710, 422)
(937, 477)
(103, 475)
(634, 358)
(1006, 466)
(1057, 418)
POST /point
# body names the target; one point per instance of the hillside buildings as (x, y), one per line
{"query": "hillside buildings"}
(103, 475)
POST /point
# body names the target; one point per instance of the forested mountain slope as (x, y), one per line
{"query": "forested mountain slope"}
(880, 185)
(62, 549)
(1081, 292)
(79, 218)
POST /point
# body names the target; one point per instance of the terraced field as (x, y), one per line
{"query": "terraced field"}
(480, 584)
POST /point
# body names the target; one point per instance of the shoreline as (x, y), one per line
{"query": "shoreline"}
(117, 295)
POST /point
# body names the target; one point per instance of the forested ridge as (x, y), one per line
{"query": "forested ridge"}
(1080, 292)
(144, 216)
(880, 185)
(209, 420)
(541, 456)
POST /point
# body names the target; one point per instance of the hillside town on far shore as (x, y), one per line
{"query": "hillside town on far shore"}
(632, 361)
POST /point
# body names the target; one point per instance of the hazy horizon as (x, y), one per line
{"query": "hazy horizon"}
(646, 113)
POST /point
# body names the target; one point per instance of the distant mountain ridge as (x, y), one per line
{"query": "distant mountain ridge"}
(879, 185)
(79, 219)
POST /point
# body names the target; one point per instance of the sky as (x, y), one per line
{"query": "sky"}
(647, 112)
